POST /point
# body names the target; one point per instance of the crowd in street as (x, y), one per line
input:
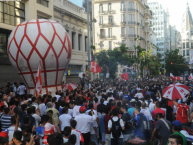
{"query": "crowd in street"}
(110, 112)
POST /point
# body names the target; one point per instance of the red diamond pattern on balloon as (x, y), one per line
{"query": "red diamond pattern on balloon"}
(32, 43)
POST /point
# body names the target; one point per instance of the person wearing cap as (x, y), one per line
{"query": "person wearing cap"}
(177, 127)
(182, 112)
(131, 110)
(83, 123)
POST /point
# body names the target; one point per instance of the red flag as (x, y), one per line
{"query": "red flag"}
(94, 67)
(125, 76)
(39, 80)
(190, 77)
(172, 77)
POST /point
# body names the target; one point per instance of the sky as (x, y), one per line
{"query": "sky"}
(176, 9)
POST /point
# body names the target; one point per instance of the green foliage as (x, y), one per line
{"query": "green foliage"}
(176, 59)
(92, 47)
(112, 58)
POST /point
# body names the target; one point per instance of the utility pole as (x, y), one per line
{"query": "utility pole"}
(88, 33)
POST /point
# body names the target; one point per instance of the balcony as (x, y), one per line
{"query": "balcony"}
(111, 37)
(123, 10)
(111, 11)
(123, 36)
(102, 12)
(142, 15)
(132, 23)
(131, 10)
(101, 25)
(147, 21)
(102, 37)
(110, 23)
(132, 35)
(123, 23)
(148, 13)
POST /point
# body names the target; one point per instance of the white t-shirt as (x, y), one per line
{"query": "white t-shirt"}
(151, 106)
(92, 125)
(110, 125)
(10, 132)
(57, 97)
(147, 115)
(70, 112)
(76, 110)
(95, 112)
(110, 98)
(37, 119)
(78, 136)
(21, 90)
(106, 102)
(65, 120)
(41, 107)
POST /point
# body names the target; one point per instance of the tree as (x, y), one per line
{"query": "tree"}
(113, 58)
(178, 65)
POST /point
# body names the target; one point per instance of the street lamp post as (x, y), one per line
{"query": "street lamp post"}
(88, 33)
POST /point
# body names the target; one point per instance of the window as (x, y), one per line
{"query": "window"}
(43, 2)
(110, 45)
(101, 20)
(191, 45)
(12, 13)
(122, 6)
(74, 67)
(109, 7)
(102, 33)
(131, 5)
(183, 45)
(101, 8)
(101, 44)
(122, 17)
(40, 17)
(131, 18)
(110, 19)
(123, 42)
(110, 32)
(131, 44)
(187, 44)
(187, 52)
(183, 52)
(123, 31)
(131, 31)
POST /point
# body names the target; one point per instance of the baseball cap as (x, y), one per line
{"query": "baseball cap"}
(132, 100)
(82, 109)
(177, 123)
(4, 134)
(48, 128)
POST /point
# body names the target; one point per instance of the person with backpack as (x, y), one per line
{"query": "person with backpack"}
(142, 131)
(126, 117)
(116, 125)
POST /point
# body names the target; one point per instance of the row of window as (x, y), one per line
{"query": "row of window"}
(12, 13)
(187, 45)
(186, 53)
(123, 7)
(123, 19)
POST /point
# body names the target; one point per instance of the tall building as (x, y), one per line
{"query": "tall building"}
(121, 22)
(74, 20)
(160, 27)
(13, 13)
(187, 33)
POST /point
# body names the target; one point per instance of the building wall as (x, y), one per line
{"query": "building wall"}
(31, 10)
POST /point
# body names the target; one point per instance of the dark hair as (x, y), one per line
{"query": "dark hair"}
(33, 99)
(124, 107)
(26, 120)
(67, 130)
(45, 118)
(62, 103)
(118, 104)
(107, 109)
(96, 100)
(23, 107)
(72, 139)
(160, 115)
(42, 100)
(29, 111)
(54, 99)
(92, 143)
(177, 128)
(138, 108)
(50, 111)
(178, 138)
(55, 139)
(3, 107)
(6, 110)
(73, 123)
(27, 129)
(115, 111)
(26, 138)
(33, 109)
(64, 110)
(90, 106)
(3, 140)
(158, 104)
(101, 100)
(13, 120)
(133, 104)
(17, 135)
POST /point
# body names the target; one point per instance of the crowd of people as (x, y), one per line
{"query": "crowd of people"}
(110, 112)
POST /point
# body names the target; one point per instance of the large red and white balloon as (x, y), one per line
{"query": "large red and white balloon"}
(36, 40)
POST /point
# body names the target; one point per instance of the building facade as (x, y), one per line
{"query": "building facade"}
(121, 22)
(74, 19)
(160, 27)
(187, 33)
(13, 13)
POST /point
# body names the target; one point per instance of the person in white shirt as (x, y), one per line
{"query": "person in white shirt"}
(83, 124)
(75, 110)
(110, 96)
(147, 114)
(41, 106)
(79, 137)
(119, 140)
(21, 89)
(13, 127)
(14, 89)
(36, 115)
(57, 96)
(65, 118)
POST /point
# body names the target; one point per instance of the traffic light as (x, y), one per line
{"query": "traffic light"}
(171, 63)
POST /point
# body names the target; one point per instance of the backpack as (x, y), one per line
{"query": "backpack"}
(116, 129)
(143, 124)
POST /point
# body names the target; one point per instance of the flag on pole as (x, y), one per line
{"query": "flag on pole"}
(39, 81)
(172, 77)
(190, 77)
(94, 67)
(125, 76)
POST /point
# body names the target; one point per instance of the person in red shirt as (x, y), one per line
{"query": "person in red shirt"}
(144, 92)
(156, 111)
(182, 112)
